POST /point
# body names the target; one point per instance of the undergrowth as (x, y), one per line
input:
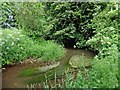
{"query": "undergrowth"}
(16, 47)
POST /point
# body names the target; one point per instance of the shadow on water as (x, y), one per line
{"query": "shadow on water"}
(20, 75)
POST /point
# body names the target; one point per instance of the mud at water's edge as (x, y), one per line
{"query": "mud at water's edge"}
(12, 77)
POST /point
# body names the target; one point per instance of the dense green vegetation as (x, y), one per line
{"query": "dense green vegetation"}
(16, 46)
(63, 22)
(90, 25)
(104, 72)
(30, 17)
(105, 67)
(70, 22)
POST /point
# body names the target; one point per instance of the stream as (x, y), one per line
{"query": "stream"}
(21, 75)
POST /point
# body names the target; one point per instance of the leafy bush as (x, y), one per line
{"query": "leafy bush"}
(31, 17)
(104, 72)
(8, 15)
(62, 22)
(17, 46)
(69, 21)
(106, 29)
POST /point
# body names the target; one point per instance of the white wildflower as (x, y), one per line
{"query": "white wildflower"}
(7, 36)
(18, 38)
(98, 33)
(10, 35)
(2, 43)
(12, 44)
(107, 38)
(96, 57)
(77, 43)
(111, 28)
(0, 33)
(21, 47)
(109, 43)
(7, 48)
(102, 41)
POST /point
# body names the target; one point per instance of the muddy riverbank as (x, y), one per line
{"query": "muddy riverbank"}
(20, 75)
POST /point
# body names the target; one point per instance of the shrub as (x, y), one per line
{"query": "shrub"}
(104, 72)
(61, 21)
(8, 15)
(16, 46)
(31, 18)
(69, 21)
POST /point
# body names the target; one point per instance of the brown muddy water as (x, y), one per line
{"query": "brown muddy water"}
(21, 75)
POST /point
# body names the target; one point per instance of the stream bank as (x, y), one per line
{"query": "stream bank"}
(20, 75)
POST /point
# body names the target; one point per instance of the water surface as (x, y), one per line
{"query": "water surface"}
(18, 76)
